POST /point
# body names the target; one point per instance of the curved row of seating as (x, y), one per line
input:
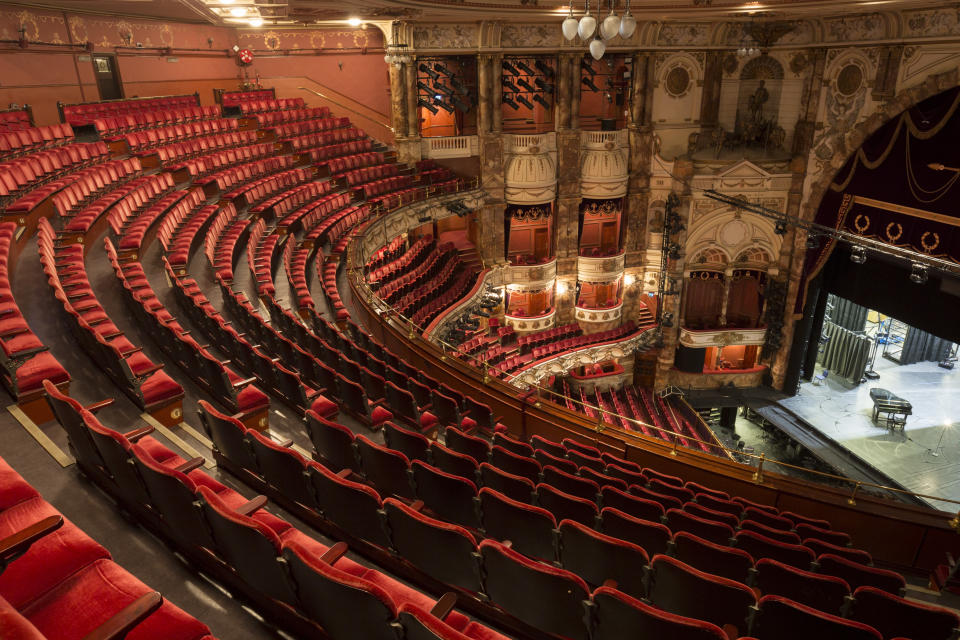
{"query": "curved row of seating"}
(240, 542)
(87, 186)
(267, 119)
(27, 362)
(322, 147)
(253, 192)
(343, 164)
(129, 197)
(450, 553)
(27, 180)
(242, 173)
(57, 582)
(133, 371)
(307, 215)
(401, 263)
(174, 154)
(334, 130)
(258, 105)
(15, 119)
(286, 201)
(116, 127)
(87, 113)
(203, 166)
(146, 141)
(236, 98)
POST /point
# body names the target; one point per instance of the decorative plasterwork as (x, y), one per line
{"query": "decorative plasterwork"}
(744, 176)
(721, 337)
(490, 278)
(526, 324)
(600, 269)
(539, 371)
(605, 315)
(532, 277)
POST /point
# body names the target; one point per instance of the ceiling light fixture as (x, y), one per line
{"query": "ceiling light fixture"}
(588, 24)
(255, 22)
(397, 55)
(918, 273)
(354, 22)
(238, 11)
(597, 47)
(569, 25)
(858, 255)
(628, 23)
(611, 24)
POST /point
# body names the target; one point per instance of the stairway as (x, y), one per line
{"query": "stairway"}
(470, 259)
(644, 318)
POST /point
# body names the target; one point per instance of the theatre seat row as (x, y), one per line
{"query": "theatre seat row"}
(240, 542)
(402, 263)
(58, 583)
(333, 228)
(252, 193)
(236, 98)
(115, 127)
(286, 201)
(26, 360)
(210, 163)
(428, 261)
(172, 156)
(307, 215)
(449, 553)
(270, 104)
(27, 139)
(179, 235)
(97, 187)
(320, 116)
(28, 180)
(86, 113)
(223, 240)
(240, 174)
(384, 255)
(148, 386)
(15, 119)
(335, 130)
(322, 147)
(144, 142)
(343, 164)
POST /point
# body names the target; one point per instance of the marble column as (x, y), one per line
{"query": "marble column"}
(413, 108)
(710, 98)
(484, 104)
(398, 101)
(575, 91)
(568, 190)
(562, 103)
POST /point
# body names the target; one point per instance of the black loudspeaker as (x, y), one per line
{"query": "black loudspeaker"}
(690, 360)
(608, 124)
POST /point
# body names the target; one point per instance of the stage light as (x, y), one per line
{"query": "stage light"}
(628, 279)
(523, 67)
(549, 88)
(509, 67)
(544, 69)
(426, 105)
(561, 287)
(526, 85)
(813, 242)
(858, 255)
(522, 100)
(509, 85)
(430, 72)
(667, 320)
(238, 11)
(590, 84)
(538, 99)
(510, 103)
(918, 273)
(780, 228)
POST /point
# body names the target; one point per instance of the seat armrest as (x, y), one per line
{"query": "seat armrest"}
(117, 627)
(190, 465)
(239, 384)
(15, 545)
(136, 434)
(444, 605)
(250, 507)
(334, 553)
(96, 406)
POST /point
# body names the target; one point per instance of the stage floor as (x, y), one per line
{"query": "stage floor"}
(845, 415)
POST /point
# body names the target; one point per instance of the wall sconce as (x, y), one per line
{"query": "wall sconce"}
(561, 287)
(127, 37)
(628, 279)
(22, 41)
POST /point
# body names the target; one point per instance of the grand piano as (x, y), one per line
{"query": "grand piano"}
(889, 407)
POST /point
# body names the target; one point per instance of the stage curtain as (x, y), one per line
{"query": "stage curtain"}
(743, 306)
(920, 346)
(845, 353)
(846, 314)
(704, 302)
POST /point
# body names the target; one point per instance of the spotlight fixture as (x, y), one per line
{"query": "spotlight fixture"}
(586, 66)
(813, 241)
(673, 251)
(509, 67)
(544, 69)
(526, 69)
(426, 105)
(858, 255)
(430, 72)
(522, 100)
(526, 85)
(780, 228)
(446, 107)
(918, 273)
(539, 100)
(509, 85)
(667, 320)
(442, 69)
(548, 88)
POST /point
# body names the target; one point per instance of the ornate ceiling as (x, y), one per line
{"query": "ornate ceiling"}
(310, 12)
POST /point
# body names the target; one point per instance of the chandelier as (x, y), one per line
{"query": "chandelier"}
(609, 27)
(398, 55)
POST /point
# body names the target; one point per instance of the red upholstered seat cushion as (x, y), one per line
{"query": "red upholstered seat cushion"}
(379, 415)
(49, 560)
(13, 488)
(251, 399)
(159, 387)
(14, 626)
(33, 372)
(92, 596)
(324, 407)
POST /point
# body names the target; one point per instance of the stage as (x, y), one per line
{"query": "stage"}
(844, 415)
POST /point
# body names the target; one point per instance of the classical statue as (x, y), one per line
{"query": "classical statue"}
(757, 100)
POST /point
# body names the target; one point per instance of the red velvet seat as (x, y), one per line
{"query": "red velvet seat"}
(710, 557)
(530, 529)
(720, 601)
(565, 506)
(332, 442)
(546, 458)
(700, 511)
(574, 485)
(599, 558)
(824, 593)
(838, 538)
(767, 519)
(512, 445)
(652, 536)
(668, 502)
(410, 443)
(354, 507)
(618, 616)
(787, 537)
(419, 624)
(544, 597)
(551, 447)
(515, 487)
(281, 467)
(445, 552)
(228, 435)
(453, 462)
(716, 532)
(476, 448)
(384, 468)
(760, 546)
(820, 547)
(718, 504)
(450, 497)
(782, 619)
(516, 464)
(630, 504)
(859, 575)
(625, 473)
(664, 488)
(895, 617)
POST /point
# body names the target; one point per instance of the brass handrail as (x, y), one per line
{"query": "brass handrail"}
(415, 331)
(350, 109)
